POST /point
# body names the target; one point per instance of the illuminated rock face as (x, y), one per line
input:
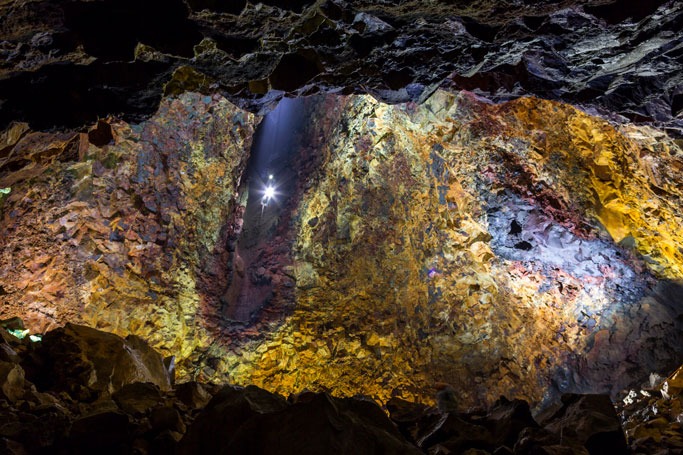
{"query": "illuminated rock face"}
(522, 249)
(461, 242)
(119, 236)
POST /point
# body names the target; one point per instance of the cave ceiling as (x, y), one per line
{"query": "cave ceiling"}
(64, 63)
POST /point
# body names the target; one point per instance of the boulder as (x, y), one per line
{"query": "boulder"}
(497, 430)
(86, 362)
(137, 398)
(11, 381)
(164, 443)
(192, 394)
(106, 431)
(412, 419)
(254, 421)
(10, 447)
(454, 434)
(541, 441)
(224, 414)
(43, 428)
(591, 421)
(507, 419)
(7, 354)
(322, 424)
(165, 418)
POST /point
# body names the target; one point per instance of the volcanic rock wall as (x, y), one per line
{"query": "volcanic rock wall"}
(519, 249)
(115, 227)
(522, 249)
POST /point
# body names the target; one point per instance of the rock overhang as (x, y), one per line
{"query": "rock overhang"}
(66, 63)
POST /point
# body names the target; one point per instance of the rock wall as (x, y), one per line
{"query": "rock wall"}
(117, 227)
(524, 249)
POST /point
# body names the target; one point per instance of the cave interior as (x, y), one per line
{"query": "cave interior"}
(341, 226)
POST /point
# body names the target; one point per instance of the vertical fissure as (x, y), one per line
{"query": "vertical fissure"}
(270, 184)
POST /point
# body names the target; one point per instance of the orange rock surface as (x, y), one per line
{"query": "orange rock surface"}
(523, 249)
(112, 228)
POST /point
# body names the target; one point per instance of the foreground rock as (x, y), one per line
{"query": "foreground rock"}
(653, 414)
(147, 418)
(84, 361)
(252, 420)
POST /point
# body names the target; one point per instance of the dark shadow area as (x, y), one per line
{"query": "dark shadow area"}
(218, 6)
(162, 24)
(616, 12)
(69, 96)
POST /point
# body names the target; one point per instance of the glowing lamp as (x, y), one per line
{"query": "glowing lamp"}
(269, 193)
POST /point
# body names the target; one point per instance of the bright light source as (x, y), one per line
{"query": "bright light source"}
(268, 193)
(19, 333)
(270, 177)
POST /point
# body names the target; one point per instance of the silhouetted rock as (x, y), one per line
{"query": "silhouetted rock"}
(507, 419)
(10, 447)
(192, 394)
(322, 424)
(453, 433)
(106, 432)
(84, 362)
(591, 421)
(137, 398)
(446, 398)
(7, 354)
(251, 420)
(167, 418)
(412, 419)
(543, 442)
(230, 408)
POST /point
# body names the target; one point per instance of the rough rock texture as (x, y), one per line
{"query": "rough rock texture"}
(477, 245)
(117, 227)
(141, 418)
(652, 414)
(118, 56)
(524, 249)
(77, 356)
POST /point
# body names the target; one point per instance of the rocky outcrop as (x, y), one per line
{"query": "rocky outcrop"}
(589, 420)
(251, 420)
(106, 57)
(76, 356)
(127, 221)
(141, 417)
(651, 414)
(525, 248)
(474, 244)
